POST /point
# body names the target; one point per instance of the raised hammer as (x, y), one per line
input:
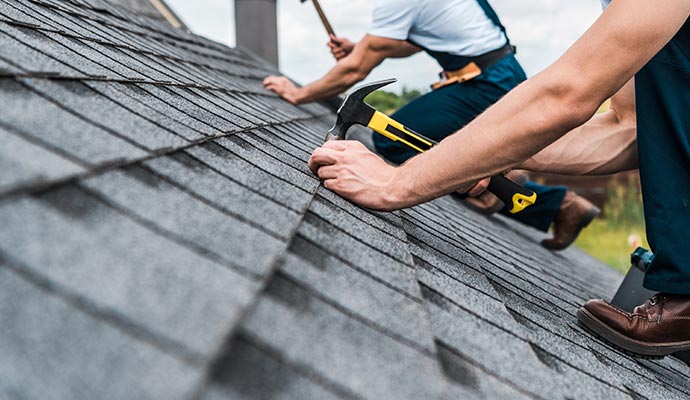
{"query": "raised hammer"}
(355, 111)
(319, 10)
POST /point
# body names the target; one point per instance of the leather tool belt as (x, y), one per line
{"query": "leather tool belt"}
(474, 68)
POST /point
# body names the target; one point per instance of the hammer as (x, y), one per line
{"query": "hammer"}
(319, 10)
(355, 111)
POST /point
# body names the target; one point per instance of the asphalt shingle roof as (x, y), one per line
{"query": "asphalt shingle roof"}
(161, 237)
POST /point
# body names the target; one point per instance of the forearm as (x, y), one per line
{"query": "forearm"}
(606, 144)
(346, 73)
(600, 147)
(366, 55)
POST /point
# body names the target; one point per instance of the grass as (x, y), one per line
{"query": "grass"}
(612, 238)
(610, 244)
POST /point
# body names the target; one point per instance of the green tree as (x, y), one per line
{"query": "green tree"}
(388, 102)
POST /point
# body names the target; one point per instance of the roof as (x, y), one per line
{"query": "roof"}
(157, 9)
(162, 238)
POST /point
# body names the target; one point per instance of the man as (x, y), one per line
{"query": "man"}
(469, 42)
(548, 120)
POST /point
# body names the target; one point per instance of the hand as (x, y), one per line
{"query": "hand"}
(478, 188)
(340, 47)
(349, 169)
(283, 87)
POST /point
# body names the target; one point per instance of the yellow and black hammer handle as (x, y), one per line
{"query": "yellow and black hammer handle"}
(514, 196)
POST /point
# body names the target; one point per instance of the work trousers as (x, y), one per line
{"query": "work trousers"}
(442, 112)
(663, 138)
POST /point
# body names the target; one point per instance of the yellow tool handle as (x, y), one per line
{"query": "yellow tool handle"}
(514, 196)
(397, 132)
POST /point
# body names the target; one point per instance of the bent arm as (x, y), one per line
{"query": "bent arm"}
(606, 144)
(366, 56)
(546, 107)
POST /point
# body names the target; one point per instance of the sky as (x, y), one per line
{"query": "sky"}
(541, 29)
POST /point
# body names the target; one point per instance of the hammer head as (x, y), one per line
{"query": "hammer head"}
(354, 110)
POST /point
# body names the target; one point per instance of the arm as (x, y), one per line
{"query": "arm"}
(606, 144)
(524, 122)
(366, 55)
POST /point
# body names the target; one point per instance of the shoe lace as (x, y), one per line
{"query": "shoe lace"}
(653, 300)
(658, 299)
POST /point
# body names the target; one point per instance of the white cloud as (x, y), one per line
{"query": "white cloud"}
(541, 29)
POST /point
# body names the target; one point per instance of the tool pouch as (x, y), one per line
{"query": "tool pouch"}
(466, 73)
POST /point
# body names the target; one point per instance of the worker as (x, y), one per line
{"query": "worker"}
(470, 43)
(639, 52)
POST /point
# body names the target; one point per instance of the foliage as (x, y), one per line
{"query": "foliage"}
(624, 205)
(388, 102)
(613, 238)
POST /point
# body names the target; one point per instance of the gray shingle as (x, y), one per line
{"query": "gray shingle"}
(466, 376)
(247, 372)
(374, 237)
(324, 274)
(24, 164)
(491, 309)
(260, 109)
(30, 59)
(79, 244)
(59, 19)
(16, 13)
(159, 203)
(475, 339)
(312, 335)
(245, 119)
(251, 176)
(275, 138)
(277, 151)
(109, 89)
(51, 350)
(303, 135)
(111, 69)
(453, 266)
(225, 193)
(8, 69)
(82, 100)
(154, 69)
(245, 150)
(45, 45)
(58, 128)
(385, 222)
(120, 56)
(161, 106)
(190, 109)
(217, 116)
(385, 268)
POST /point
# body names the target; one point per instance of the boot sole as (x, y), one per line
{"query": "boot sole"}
(631, 347)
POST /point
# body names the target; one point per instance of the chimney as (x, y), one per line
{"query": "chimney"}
(256, 27)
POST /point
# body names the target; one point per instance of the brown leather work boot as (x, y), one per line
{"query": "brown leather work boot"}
(656, 329)
(575, 214)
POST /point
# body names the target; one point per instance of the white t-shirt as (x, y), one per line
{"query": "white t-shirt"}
(605, 3)
(458, 27)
